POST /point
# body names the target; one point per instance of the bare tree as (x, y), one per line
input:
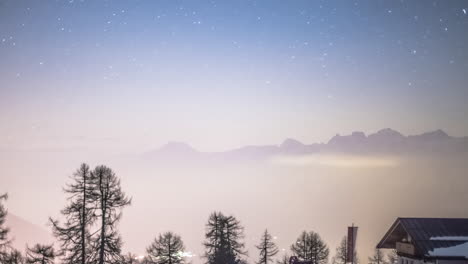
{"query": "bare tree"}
(40, 254)
(79, 214)
(166, 249)
(267, 247)
(392, 257)
(110, 199)
(13, 257)
(130, 259)
(310, 247)
(342, 253)
(378, 257)
(284, 259)
(4, 241)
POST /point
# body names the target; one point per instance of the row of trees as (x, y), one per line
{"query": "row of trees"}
(224, 245)
(88, 233)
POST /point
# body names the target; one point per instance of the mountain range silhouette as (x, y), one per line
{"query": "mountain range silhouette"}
(385, 141)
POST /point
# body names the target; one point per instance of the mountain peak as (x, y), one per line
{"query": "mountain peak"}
(355, 137)
(389, 131)
(385, 140)
(177, 147)
(386, 133)
(358, 134)
(291, 143)
(438, 134)
(25, 232)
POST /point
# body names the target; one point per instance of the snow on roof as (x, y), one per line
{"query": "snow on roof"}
(450, 238)
(454, 251)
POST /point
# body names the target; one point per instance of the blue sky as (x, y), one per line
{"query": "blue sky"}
(220, 74)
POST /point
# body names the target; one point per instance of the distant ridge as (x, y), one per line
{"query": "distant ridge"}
(23, 232)
(177, 148)
(173, 149)
(384, 141)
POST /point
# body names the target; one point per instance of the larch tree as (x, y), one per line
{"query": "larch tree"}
(213, 235)
(4, 230)
(310, 247)
(223, 240)
(378, 257)
(79, 215)
(40, 254)
(392, 257)
(130, 259)
(167, 248)
(267, 248)
(7, 254)
(13, 257)
(233, 233)
(284, 259)
(342, 252)
(110, 199)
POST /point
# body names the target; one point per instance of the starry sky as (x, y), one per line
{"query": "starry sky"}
(135, 74)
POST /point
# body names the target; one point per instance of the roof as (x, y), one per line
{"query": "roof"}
(428, 234)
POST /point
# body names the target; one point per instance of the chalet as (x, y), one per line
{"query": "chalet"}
(428, 240)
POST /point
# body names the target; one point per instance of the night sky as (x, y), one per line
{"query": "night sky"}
(107, 82)
(221, 74)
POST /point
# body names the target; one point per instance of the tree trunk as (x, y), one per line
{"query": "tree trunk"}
(170, 252)
(103, 233)
(83, 224)
(103, 222)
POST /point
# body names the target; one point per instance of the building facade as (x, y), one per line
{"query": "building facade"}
(428, 240)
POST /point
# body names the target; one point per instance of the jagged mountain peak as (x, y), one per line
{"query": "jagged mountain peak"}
(358, 134)
(385, 140)
(389, 131)
(386, 134)
(355, 136)
(438, 134)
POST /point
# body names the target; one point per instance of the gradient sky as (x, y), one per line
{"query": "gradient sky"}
(132, 75)
(82, 80)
